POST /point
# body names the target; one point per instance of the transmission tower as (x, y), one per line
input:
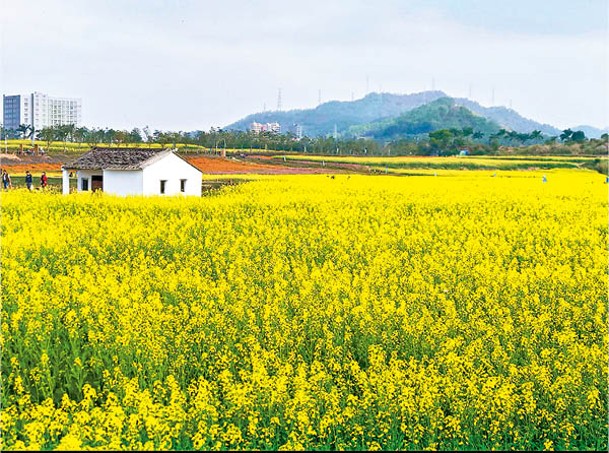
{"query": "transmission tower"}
(279, 100)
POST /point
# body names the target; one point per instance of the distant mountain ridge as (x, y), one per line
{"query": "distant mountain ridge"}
(443, 113)
(344, 114)
(346, 117)
(591, 132)
(507, 118)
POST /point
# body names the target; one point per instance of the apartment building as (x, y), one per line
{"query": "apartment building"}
(40, 110)
(268, 127)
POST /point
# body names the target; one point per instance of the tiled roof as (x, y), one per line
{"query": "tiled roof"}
(116, 159)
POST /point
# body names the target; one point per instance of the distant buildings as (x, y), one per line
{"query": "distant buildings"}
(39, 110)
(268, 127)
(297, 131)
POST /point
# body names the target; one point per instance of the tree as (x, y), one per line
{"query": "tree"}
(512, 136)
(135, 136)
(440, 139)
(605, 140)
(25, 130)
(174, 138)
(79, 135)
(566, 135)
(109, 136)
(121, 137)
(93, 137)
(6, 132)
(161, 138)
(467, 131)
(63, 132)
(536, 135)
(578, 137)
(48, 135)
(493, 139)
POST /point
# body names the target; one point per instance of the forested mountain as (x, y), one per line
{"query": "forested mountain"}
(321, 120)
(357, 117)
(443, 113)
(507, 118)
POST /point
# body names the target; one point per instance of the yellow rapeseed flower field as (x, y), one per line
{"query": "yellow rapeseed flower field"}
(462, 311)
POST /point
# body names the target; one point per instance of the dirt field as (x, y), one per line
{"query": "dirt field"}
(262, 165)
(19, 164)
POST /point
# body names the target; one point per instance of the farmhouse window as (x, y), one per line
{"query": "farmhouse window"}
(182, 185)
(163, 184)
(84, 184)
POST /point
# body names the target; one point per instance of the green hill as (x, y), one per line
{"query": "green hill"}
(361, 116)
(443, 113)
(321, 120)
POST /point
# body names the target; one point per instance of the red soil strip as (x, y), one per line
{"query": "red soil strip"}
(36, 168)
(218, 166)
(15, 164)
(207, 164)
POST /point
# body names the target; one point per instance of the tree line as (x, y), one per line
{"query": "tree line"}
(436, 143)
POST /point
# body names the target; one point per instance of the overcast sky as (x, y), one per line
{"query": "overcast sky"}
(187, 64)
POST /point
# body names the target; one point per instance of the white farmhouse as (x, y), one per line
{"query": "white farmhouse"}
(133, 171)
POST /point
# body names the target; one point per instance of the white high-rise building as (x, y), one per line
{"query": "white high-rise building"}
(40, 110)
(268, 127)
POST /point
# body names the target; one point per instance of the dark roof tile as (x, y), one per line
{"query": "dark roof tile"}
(115, 159)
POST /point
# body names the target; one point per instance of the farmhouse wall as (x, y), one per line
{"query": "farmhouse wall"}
(123, 182)
(171, 169)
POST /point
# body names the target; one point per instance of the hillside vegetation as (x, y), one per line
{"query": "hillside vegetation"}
(376, 107)
(443, 113)
(322, 120)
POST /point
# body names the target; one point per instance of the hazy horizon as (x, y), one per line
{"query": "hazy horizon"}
(187, 65)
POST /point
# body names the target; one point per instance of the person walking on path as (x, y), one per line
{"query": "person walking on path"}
(6, 180)
(28, 180)
(44, 181)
